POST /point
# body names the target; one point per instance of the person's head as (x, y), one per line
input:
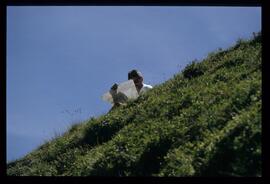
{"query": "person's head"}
(137, 77)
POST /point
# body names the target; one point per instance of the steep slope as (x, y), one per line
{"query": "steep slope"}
(205, 121)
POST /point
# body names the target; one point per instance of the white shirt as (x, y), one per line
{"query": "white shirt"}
(145, 88)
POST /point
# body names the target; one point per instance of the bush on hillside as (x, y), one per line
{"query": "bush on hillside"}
(193, 70)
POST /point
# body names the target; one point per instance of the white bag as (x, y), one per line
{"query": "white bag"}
(127, 88)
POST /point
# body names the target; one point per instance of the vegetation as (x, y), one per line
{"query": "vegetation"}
(205, 121)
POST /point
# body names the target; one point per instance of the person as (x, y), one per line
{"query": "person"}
(141, 88)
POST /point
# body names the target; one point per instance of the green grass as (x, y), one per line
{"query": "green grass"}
(204, 121)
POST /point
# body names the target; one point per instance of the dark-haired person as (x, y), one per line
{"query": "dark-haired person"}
(137, 78)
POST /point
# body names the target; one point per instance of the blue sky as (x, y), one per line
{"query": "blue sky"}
(60, 60)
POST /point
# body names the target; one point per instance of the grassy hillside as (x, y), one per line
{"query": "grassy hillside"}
(205, 121)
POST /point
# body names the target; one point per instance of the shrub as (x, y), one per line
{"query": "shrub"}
(193, 70)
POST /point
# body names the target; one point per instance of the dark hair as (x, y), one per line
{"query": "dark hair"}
(134, 74)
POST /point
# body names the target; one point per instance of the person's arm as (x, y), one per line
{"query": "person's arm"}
(113, 92)
(119, 98)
